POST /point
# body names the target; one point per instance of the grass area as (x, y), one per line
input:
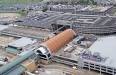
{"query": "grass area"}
(18, 1)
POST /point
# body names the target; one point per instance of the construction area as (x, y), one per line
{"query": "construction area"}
(87, 24)
(58, 37)
(82, 9)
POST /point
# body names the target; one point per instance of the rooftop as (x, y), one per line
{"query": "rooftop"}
(2, 27)
(39, 19)
(22, 42)
(92, 24)
(106, 47)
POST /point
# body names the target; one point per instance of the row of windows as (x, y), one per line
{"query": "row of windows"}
(91, 66)
(102, 69)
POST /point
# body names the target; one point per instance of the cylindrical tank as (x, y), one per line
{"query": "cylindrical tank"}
(55, 43)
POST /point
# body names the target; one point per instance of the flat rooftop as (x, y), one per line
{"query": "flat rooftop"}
(85, 19)
(2, 27)
(33, 32)
(24, 41)
(106, 47)
(39, 19)
(90, 24)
